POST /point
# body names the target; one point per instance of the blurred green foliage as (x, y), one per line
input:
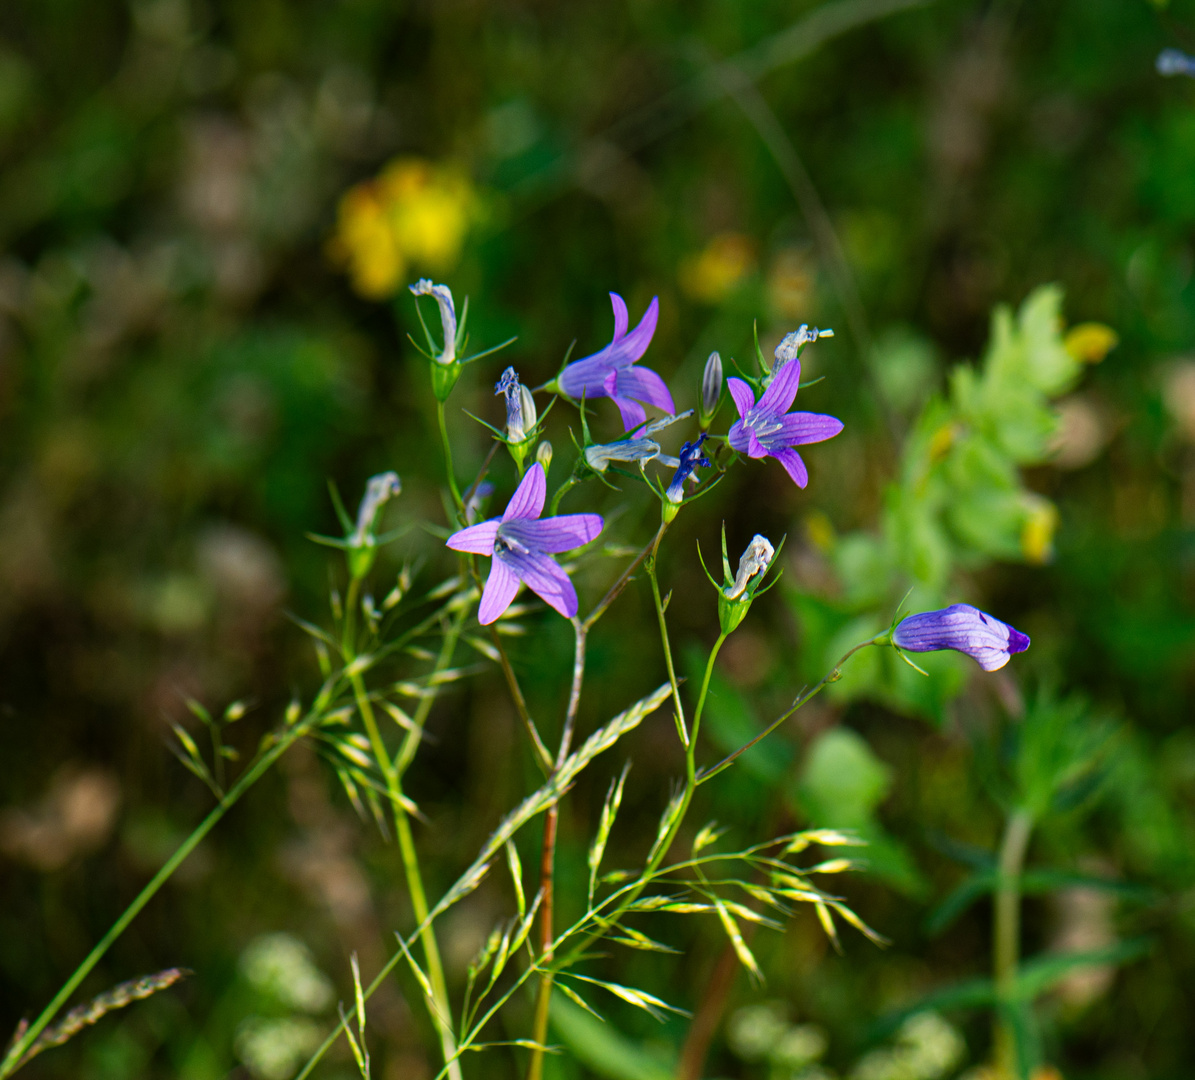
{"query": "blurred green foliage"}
(184, 365)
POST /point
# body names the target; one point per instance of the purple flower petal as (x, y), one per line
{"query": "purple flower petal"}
(635, 344)
(555, 534)
(476, 539)
(621, 316)
(778, 397)
(644, 385)
(801, 428)
(738, 437)
(793, 464)
(632, 412)
(755, 448)
(744, 399)
(528, 499)
(500, 589)
(585, 377)
(544, 578)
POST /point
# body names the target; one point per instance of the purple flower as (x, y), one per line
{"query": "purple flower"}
(611, 372)
(687, 464)
(521, 545)
(767, 429)
(965, 629)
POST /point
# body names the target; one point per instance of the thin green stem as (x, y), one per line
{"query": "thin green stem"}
(12, 1059)
(833, 675)
(692, 781)
(1006, 936)
(439, 1006)
(690, 759)
(681, 730)
(624, 578)
(570, 483)
(457, 501)
(346, 627)
(414, 735)
(542, 757)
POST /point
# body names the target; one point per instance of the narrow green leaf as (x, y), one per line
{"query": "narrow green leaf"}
(516, 876)
(605, 824)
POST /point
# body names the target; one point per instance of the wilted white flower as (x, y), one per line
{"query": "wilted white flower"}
(442, 294)
(790, 344)
(755, 561)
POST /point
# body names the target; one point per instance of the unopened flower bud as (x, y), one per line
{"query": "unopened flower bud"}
(543, 454)
(379, 491)
(711, 387)
(360, 545)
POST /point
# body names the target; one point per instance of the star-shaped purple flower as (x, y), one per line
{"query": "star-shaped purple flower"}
(768, 429)
(611, 373)
(965, 629)
(521, 545)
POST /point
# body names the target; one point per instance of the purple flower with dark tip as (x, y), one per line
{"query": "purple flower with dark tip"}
(611, 373)
(965, 629)
(690, 459)
(521, 547)
(767, 429)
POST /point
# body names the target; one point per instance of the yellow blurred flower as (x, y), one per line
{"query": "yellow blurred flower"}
(820, 531)
(1037, 532)
(790, 284)
(1090, 341)
(710, 275)
(990, 1072)
(943, 439)
(413, 213)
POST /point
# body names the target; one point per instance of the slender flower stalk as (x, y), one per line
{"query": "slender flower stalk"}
(1006, 938)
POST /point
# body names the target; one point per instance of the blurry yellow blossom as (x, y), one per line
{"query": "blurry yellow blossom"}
(1090, 341)
(413, 214)
(820, 531)
(943, 439)
(990, 1072)
(710, 275)
(1037, 532)
(790, 284)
